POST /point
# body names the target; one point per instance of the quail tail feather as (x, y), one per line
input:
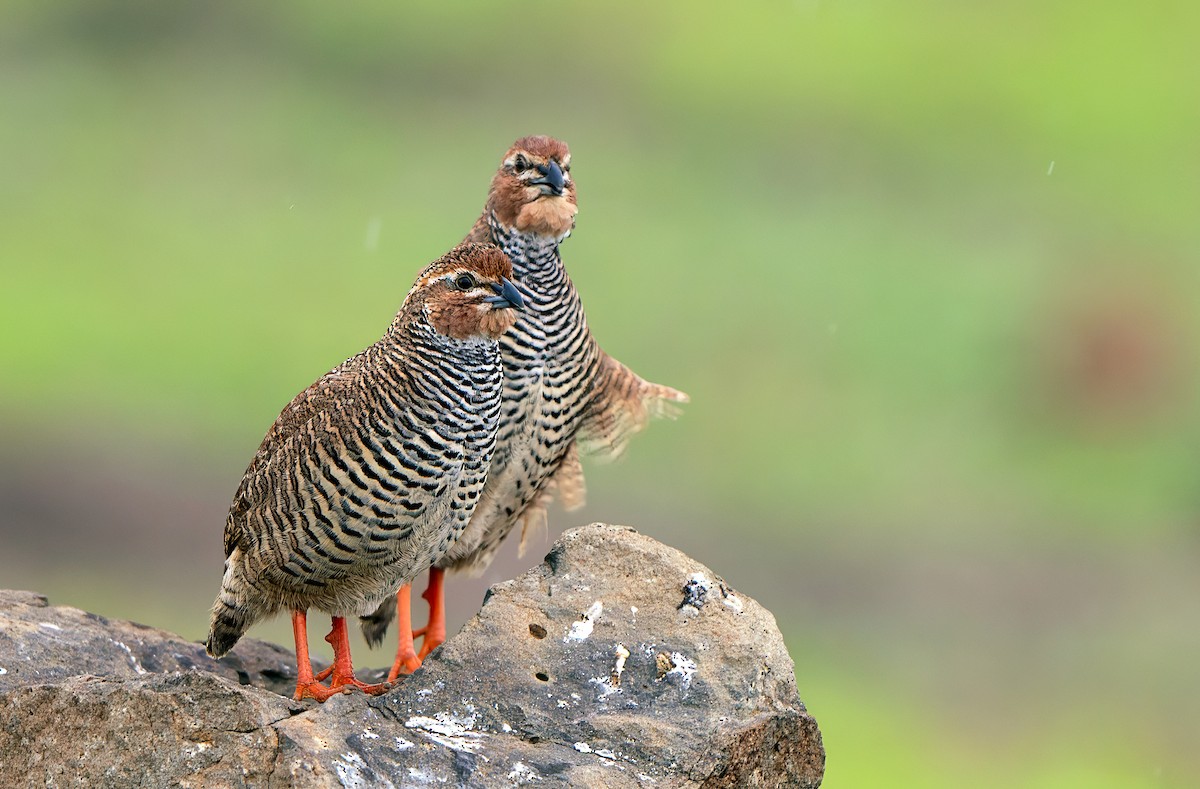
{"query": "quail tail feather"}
(660, 401)
(375, 625)
(231, 618)
(222, 638)
(622, 405)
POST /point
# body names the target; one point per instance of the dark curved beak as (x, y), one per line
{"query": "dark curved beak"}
(552, 176)
(506, 296)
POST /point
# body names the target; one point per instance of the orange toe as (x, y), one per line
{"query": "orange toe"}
(315, 690)
(340, 684)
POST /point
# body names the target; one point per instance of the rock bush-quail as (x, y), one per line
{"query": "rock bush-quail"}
(370, 474)
(562, 393)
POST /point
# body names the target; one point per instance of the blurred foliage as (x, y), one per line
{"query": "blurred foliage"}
(928, 271)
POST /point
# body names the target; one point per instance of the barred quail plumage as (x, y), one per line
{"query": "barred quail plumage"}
(562, 393)
(369, 475)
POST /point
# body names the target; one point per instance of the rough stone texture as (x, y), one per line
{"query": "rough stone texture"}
(42, 644)
(180, 729)
(618, 662)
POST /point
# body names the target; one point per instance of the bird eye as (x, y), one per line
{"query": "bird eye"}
(521, 164)
(464, 282)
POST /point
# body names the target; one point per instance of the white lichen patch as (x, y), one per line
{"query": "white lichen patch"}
(583, 628)
(137, 667)
(603, 753)
(421, 778)
(370, 735)
(612, 683)
(522, 774)
(684, 667)
(350, 773)
(605, 685)
(453, 731)
(49, 625)
(3, 671)
(404, 744)
(579, 630)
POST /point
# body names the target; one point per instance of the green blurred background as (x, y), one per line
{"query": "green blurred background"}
(928, 271)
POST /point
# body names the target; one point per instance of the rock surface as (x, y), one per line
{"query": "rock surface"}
(617, 662)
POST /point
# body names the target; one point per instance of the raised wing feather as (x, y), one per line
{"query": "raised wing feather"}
(622, 404)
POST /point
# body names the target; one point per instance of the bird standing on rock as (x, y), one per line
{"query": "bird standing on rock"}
(370, 475)
(562, 393)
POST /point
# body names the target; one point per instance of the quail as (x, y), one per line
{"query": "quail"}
(371, 473)
(562, 393)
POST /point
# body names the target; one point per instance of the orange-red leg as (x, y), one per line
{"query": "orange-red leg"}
(307, 686)
(434, 631)
(343, 667)
(406, 655)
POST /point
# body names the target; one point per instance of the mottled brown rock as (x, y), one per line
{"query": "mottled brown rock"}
(618, 662)
(41, 644)
(189, 729)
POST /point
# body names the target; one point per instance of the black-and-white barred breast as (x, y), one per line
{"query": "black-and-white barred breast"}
(550, 360)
